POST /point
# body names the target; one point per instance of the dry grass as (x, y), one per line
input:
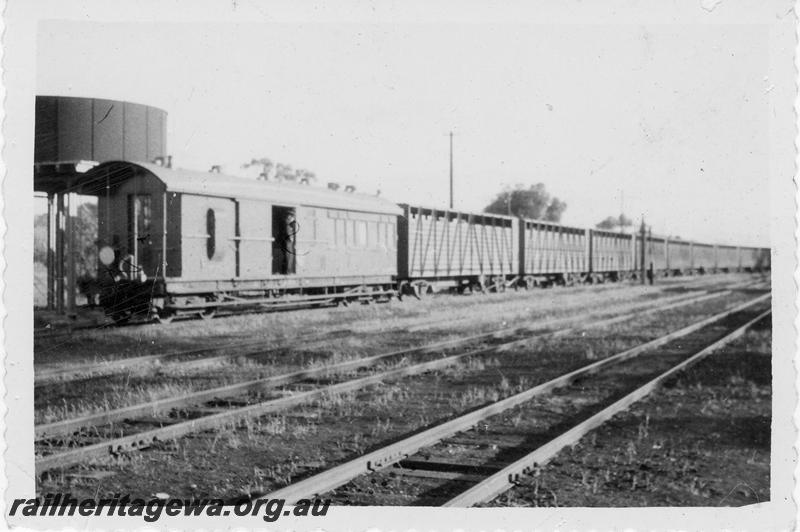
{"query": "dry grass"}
(96, 346)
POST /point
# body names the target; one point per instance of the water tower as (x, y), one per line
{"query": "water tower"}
(72, 136)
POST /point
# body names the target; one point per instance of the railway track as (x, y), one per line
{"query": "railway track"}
(193, 358)
(190, 358)
(66, 331)
(136, 427)
(68, 426)
(473, 458)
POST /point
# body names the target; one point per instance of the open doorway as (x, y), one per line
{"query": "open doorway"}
(284, 238)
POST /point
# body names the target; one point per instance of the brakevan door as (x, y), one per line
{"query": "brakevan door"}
(141, 236)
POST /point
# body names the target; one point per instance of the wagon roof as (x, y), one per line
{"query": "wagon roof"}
(226, 186)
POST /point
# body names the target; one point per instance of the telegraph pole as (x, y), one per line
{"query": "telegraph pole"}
(642, 252)
(451, 170)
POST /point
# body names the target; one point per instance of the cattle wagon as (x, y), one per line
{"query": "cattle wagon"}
(440, 248)
(679, 256)
(552, 253)
(611, 255)
(704, 258)
(728, 259)
(755, 259)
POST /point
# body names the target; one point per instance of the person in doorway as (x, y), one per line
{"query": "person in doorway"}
(289, 244)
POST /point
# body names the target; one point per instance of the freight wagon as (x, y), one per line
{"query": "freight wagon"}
(611, 255)
(655, 255)
(704, 258)
(443, 248)
(755, 259)
(728, 259)
(552, 253)
(679, 257)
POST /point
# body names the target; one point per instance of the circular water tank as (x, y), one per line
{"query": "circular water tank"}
(70, 129)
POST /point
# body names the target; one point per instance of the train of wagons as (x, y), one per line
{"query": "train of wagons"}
(175, 242)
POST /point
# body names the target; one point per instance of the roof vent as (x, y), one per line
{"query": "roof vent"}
(169, 161)
(350, 189)
(214, 169)
(159, 161)
(333, 186)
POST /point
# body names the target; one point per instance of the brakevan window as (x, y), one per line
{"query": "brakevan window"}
(211, 231)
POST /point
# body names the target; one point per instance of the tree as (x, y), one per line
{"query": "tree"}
(84, 227)
(613, 222)
(266, 166)
(555, 210)
(279, 171)
(532, 202)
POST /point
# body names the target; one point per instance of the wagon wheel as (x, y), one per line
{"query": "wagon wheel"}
(478, 288)
(208, 313)
(121, 317)
(164, 317)
(420, 290)
(499, 286)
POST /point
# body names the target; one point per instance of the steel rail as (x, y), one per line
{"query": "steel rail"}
(431, 324)
(69, 426)
(178, 429)
(94, 369)
(507, 477)
(341, 474)
(727, 289)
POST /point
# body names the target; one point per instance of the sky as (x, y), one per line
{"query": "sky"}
(669, 122)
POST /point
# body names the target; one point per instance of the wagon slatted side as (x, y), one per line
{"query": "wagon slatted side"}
(549, 248)
(611, 252)
(728, 258)
(655, 253)
(679, 256)
(704, 257)
(442, 244)
(755, 259)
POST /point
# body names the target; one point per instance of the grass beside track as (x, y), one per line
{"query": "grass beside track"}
(98, 346)
(257, 454)
(703, 440)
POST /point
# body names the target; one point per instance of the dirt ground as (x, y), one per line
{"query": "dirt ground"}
(702, 440)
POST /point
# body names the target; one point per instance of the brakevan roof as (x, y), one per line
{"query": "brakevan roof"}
(226, 186)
